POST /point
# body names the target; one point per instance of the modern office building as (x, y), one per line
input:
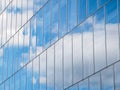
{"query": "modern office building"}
(59, 44)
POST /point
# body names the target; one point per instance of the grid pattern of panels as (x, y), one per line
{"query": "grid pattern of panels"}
(60, 44)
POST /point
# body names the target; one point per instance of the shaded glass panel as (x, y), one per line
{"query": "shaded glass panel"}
(83, 85)
(21, 49)
(2, 86)
(9, 20)
(29, 76)
(50, 68)
(54, 21)
(36, 5)
(6, 85)
(99, 40)
(23, 79)
(1, 64)
(30, 8)
(63, 18)
(35, 78)
(24, 11)
(1, 30)
(5, 61)
(92, 6)
(81, 10)
(112, 32)
(14, 15)
(87, 46)
(39, 32)
(77, 54)
(47, 25)
(117, 76)
(19, 14)
(72, 13)
(59, 65)
(43, 73)
(95, 82)
(107, 79)
(101, 2)
(75, 87)
(4, 27)
(33, 37)
(16, 55)
(17, 81)
(12, 83)
(10, 61)
(26, 38)
(67, 60)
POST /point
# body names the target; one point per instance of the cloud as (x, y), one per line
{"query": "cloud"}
(34, 80)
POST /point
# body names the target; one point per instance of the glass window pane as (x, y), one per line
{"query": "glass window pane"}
(35, 78)
(77, 54)
(16, 55)
(75, 87)
(21, 49)
(72, 13)
(17, 81)
(1, 64)
(101, 2)
(47, 32)
(50, 68)
(92, 6)
(67, 60)
(99, 40)
(117, 76)
(43, 72)
(39, 32)
(1, 29)
(23, 82)
(26, 37)
(10, 61)
(30, 8)
(95, 82)
(36, 4)
(112, 32)
(4, 27)
(5, 59)
(54, 25)
(87, 46)
(13, 29)
(6, 85)
(2, 86)
(29, 77)
(9, 14)
(12, 83)
(59, 65)
(107, 79)
(83, 85)
(81, 10)
(24, 11)
(33, 37)
(19, 14)
(63, 18)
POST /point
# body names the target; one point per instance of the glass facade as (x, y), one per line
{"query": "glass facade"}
(59, 44)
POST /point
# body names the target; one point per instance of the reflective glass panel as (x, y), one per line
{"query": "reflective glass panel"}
(50, 68)
(107, 79)
(87, 30)
(99, 40)
(81, 10)
(59, 65)
(67, 60)
(112, 38)
(77, 54)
